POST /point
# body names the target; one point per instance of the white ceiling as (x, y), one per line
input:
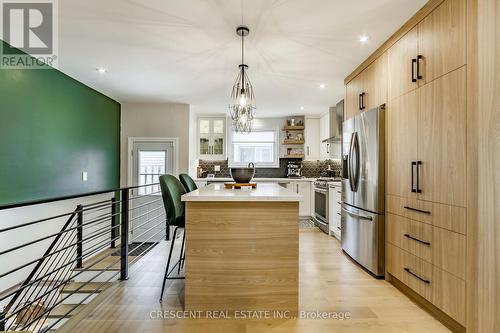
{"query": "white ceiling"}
(187, 51)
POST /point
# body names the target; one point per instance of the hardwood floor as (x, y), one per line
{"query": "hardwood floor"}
(329, 281)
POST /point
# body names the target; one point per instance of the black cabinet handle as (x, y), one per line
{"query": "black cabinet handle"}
(418, 277)
(413, 189)
(419, 163)
(363, 101)
(328, 148)
(417, 210)
(416, 239)
(413, 62)
(419, 57)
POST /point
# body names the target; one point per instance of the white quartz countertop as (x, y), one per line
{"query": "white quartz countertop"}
(263, 192)
(257, 180)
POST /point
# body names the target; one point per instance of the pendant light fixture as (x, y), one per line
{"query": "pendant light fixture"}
(242, 107)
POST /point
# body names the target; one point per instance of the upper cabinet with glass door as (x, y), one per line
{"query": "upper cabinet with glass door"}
(211, 138)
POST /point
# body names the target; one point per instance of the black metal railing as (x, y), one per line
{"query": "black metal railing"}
(91, 248)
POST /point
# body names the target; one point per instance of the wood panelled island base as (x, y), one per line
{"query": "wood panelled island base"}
(242, 251)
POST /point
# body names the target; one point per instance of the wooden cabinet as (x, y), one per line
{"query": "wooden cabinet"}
(440, 247)
(401, 132)
(352, 97)
(448, 217)
(401, 65)
(367, 90)
(439, 287)
(211, 137)
(442, 142)
(312, 138)
(426, 141)
(441, 40)
(433, 48)
(374, 79)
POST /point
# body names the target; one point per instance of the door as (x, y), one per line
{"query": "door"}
(442, 40)
(401, 62)
(367, 161)
(204, 137)
(402, 119)
(324, 133)
(352, 96)
(363, 238)
(218, 136)
(375, 83)
(304, 189)
(150, 161)
(442, 132)
(311, 138)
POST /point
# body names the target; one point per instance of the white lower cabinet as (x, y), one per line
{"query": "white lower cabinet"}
(334, 207)
(304, 189)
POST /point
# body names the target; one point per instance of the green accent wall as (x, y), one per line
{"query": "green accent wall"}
(52, 128)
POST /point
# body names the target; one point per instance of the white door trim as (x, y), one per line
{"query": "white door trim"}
(130, 146)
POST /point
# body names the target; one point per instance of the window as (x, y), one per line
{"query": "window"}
(259, 147)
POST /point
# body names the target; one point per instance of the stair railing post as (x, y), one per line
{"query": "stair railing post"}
(124, 235)
(2, 320)
(79, 237)
(114, 221)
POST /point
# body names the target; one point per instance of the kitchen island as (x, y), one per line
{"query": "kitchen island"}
(242, 249)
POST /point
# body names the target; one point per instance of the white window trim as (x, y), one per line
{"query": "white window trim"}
(130, 159)
(275, 164)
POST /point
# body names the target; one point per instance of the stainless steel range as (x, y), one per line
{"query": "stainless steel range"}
(321, 202)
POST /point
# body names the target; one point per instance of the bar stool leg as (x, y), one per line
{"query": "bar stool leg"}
(181, 256)
(168, 263)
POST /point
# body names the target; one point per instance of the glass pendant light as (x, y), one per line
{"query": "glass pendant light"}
(242, 107)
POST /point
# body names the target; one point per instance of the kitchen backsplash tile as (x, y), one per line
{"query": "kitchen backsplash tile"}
(310, 169)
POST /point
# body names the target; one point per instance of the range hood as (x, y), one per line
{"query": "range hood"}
(336, 120)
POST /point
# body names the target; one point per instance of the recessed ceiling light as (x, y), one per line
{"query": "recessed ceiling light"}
(302, 108)
(322, 85)
(364, 38)
(101, 70)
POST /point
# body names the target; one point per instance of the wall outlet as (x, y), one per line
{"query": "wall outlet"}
(84, 176)
(216, 168)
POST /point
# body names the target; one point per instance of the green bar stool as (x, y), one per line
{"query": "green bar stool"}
(172, 190)
(188, 182)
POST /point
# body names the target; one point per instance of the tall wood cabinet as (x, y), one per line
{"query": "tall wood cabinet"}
(423, 75)
(426, 141)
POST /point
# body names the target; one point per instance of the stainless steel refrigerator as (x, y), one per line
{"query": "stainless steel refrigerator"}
(363, 191)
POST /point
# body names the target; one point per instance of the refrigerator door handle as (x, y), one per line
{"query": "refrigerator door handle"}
(362, 217)
(349, 163)
(358, 167)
